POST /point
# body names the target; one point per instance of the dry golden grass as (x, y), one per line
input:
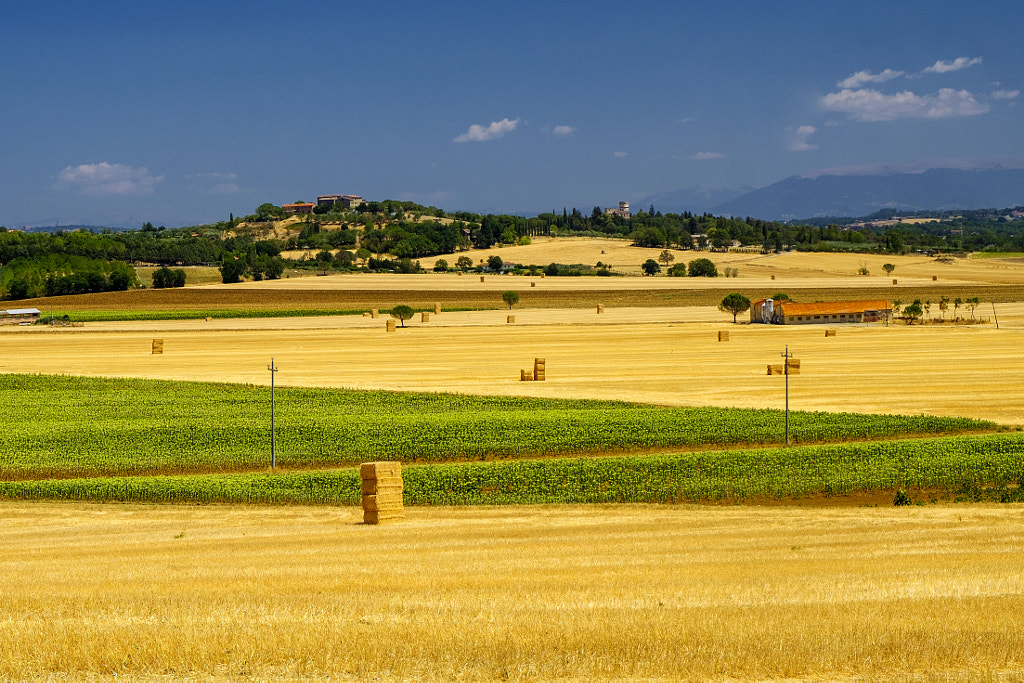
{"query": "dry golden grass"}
(668, 356)
(576, 593)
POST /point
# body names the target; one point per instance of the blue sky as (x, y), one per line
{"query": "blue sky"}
(117, 113)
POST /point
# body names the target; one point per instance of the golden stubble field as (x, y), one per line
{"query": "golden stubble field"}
(540, 593)
(516, 593)
(667, 356)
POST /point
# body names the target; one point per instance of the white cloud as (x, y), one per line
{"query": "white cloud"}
(799, 142)
(941, 67)
(619, 155)
(564, 130)
(108, 180)
(1005, 94)
(497, 129)
(861, 77)
(705, 156)
(872, 105)
(225, 188)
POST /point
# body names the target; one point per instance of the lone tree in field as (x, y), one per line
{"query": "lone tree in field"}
(511, 298)
(651, 267)
(666, 257)
(734, 303)
(702, 267)
(913, 311)
(463, 263)
(888, 268)
(401, 313)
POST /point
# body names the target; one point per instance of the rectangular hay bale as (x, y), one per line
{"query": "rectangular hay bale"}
(723, 336)
(382, 502)
(380, 470)
(376, 517)
(158, 347)
(830, 333)
(793, 366)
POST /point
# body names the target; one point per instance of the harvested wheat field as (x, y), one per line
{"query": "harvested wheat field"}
(540, 593)
(668, 356)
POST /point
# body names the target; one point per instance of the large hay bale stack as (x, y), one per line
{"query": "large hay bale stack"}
(374, 313)
(381, 491)
(437, 309)
(600, 308)
(723, 336)
(390, 325)
(158, 347)
(539, 370)
(424, 317)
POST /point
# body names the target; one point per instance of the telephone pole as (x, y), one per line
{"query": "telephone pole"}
(273, 445)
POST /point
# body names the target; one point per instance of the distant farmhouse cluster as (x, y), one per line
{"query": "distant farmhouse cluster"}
(348, 201)
(621, 212)
(785, 312)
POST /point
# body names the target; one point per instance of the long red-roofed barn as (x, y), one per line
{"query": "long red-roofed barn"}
(791, 313)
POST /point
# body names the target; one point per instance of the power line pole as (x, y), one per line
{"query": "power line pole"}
(273, 445)
(787, 355)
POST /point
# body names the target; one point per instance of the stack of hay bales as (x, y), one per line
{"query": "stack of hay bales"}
(158, 347)
(390, 325)
(424, 317)
(381, 491)
(723, 336)
(525, 376)
(510, 319)
(600, 308)
(793, 366)
(374, 313)
(437, 309)
(538, 370)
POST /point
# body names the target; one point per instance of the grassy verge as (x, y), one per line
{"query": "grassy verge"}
(61, 427)
(963, 468)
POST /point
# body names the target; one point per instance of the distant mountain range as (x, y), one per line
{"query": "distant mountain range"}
(859, 192)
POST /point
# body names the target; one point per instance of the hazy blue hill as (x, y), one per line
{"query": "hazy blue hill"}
(860, 195)
(693, 199)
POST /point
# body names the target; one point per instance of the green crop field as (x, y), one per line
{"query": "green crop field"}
(972, 468)
(63, 427)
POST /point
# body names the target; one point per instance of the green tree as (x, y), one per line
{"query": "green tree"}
(913, 311)
(232, 269)
(650, 267)
(440, 266)
(734, 303)
(944, 306)
(495, 263)
(511, 298)
(463, 263)
(972, 303)
(957, 303)
(401, 313)
(666, 257)
(702, 267)
(888, 268)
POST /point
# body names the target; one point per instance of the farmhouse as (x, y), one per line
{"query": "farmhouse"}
(16, 316)
(790, 313)
(299, 207)
(348, 201)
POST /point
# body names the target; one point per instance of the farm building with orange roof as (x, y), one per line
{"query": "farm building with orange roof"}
(786, 312)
